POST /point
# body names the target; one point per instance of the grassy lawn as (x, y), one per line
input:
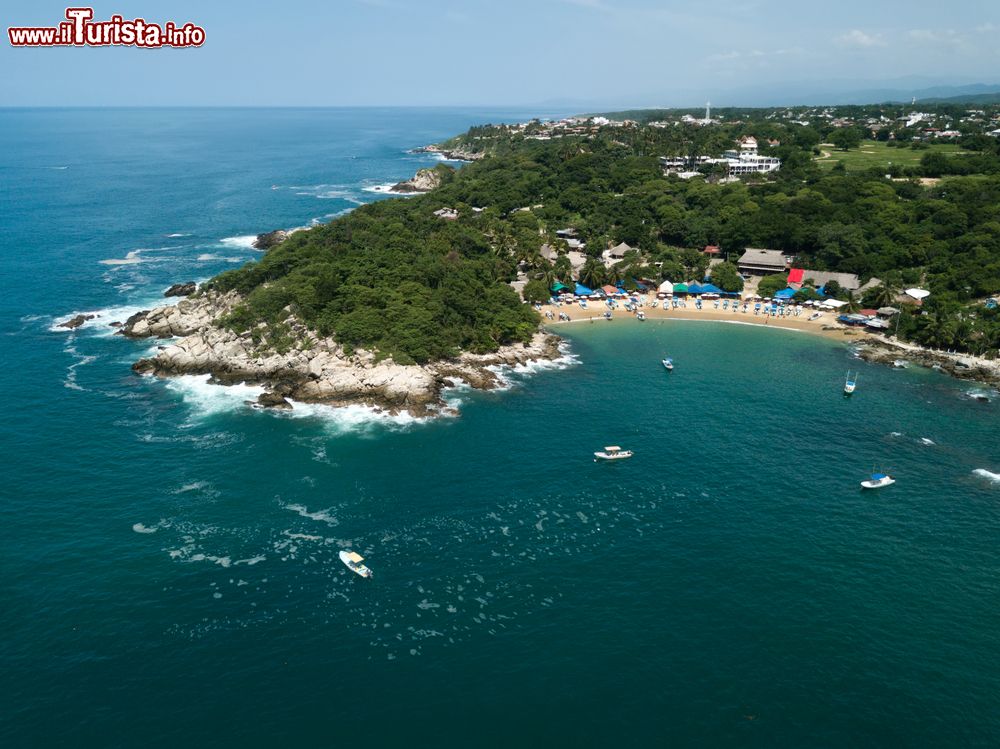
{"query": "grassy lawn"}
(872, 153)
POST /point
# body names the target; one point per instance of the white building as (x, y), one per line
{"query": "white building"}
(753, 164)
(739, 161)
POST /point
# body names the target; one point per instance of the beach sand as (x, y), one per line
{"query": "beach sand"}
(825, 326)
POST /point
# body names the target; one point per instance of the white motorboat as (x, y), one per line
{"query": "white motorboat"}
(354, 562)
(850, 383)
(877, 481)
(668, 364)
(640, 315)
(900, 363)
(612, 452)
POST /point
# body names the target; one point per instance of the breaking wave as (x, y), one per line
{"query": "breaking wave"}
(993, 478)
(244, 241)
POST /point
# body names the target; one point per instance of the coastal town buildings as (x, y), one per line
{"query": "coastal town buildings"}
(758, 262)
(743, 160)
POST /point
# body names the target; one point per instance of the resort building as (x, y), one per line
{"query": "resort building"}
(616, 253)
(448, 214)
(753, 164)
(576, 260)
(739, 161)
(756, 262)
(797, 277)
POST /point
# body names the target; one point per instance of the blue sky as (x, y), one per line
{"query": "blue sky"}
(510, 52)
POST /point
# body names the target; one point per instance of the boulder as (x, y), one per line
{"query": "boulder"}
(270, 239)
(76, 322)
(181, 289)
(273, 400)
(424, 180)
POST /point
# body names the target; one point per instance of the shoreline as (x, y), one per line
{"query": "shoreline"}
(824, 326)
(871, 347)
(313, 369)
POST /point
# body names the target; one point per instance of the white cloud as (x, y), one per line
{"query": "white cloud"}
(943, 37)
(985, 28)
(859, 38)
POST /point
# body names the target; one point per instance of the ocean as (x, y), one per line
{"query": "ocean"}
(169, 556)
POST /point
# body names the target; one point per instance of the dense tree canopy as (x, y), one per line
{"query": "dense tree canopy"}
(395, 277)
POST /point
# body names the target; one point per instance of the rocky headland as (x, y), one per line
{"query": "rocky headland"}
(270, 239)
(424, 180)
(312, 369)
(181, 289)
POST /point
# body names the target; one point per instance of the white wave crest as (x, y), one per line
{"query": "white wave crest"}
(353, 418)
(102, 318)
(207, 257)
(131, 258)
(321, 516)
(386, 189)
(504, 372)
(206, 398)
(988, 475)
(244, 241)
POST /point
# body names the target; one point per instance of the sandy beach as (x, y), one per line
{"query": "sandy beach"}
(826, 325)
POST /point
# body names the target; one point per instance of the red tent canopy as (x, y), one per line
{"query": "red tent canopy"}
(868, 312)
(795, 275)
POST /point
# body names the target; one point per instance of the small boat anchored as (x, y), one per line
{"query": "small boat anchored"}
(850, 383)
(668, 364)
(877, 481)
(612, 452)
(354, 562)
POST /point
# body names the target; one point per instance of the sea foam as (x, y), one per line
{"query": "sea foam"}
(322, 516)
(206, 398)
(988, 475)
(244, 241)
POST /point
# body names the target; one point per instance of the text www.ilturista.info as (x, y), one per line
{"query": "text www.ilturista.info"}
(79, 30)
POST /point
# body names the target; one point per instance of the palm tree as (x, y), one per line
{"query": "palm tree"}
(501, 240)
(563, 268)
(547, 274)
(592, 273)
(852, 303)
(885, 294)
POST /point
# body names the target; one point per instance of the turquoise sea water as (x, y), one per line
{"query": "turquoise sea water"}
(169, 557)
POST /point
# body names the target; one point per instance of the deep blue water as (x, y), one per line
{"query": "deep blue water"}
(169, 557)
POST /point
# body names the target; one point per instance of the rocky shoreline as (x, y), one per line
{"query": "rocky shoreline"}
(450, 154)
(424, 180)
(313, 369)
(881, 350)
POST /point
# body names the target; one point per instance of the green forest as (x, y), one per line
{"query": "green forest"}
(394, 277)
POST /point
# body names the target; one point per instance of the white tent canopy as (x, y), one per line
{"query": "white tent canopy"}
(835, 303)
(666, 287)
(918, 293)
